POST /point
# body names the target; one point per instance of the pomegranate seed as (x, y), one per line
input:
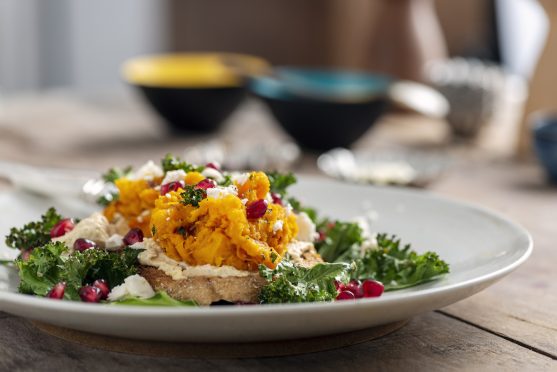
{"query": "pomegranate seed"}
(205, 184)
(256, 209)
(133, 236)
(372, 288)
(81, 244)
(345, 295)
(89, 293)
(102, 285)
(62, 227)
(215, 166)
(26, 254)
(339, 285)
(322, 236)
(276, 198)
(57, 292)
(355, 287)
(171, 186)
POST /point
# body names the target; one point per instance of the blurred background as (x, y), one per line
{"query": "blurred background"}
(486, 65)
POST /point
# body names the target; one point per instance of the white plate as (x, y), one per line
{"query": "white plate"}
(480, 246)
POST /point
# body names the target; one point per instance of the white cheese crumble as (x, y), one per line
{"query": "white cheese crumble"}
(174, 176)
(306, 228)
(278, 226)
(138, 245)
(149, 171)
(220, 191)
(213, 173)
(134, 285)
(244, 201)
(114, 242)
(240, 178)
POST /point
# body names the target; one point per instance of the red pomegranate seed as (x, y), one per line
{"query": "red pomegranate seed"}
(171, 186)
(81, 244)
(102, 285)
(89, 293)
(355, 287)
(276, 198)
(213, 165)
(205, 184)
(372, 288)
(62, 227)
(345, 295)
(26, 254)
(322, 236)
(256, 209)
(57, 292)
(339, 285)
(133, 236)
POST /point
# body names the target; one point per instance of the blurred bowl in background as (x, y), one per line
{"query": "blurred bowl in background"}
(398, 167)
(323, 109)
(545, 142)
(193, 91)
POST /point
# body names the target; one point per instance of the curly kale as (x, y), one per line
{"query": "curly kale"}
(192, 195)
(398, 266)
(290, 284)
(51, 264)
(280, 182)
(172, 163)
(34, 234)
(115, 173)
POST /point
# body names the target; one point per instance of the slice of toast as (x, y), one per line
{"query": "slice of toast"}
(208, 289)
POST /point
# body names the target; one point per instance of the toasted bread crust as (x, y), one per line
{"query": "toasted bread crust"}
(206, 290)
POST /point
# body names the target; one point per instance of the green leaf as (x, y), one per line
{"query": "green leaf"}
(289, 283)
(297, 206)
(280, 182)
(192, 195)
(159, 299)
(115, 173)
(397, 266)
(172, 163)
(33, 234)
(342, 241)
(51, 264)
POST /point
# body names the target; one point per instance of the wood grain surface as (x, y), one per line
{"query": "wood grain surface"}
(509, 326)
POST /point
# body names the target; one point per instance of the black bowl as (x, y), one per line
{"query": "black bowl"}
(193, 91)
(195, 109)
(323, 109)
(322, 125)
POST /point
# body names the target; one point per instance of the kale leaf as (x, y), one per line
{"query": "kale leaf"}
(33, 234)
(341, 242)
(289, 283)
(172, 163)
(51, 264)
(192, 195)
(280, 182)
(398, 266)
(115, 173)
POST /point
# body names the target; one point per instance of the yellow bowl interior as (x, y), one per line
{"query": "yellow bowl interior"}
(193, 70)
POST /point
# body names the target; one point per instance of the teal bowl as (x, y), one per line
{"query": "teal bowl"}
(323, 109)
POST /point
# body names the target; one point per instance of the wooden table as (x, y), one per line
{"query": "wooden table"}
(510, 326)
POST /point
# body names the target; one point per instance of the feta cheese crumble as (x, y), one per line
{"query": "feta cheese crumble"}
(278, 226)
(220, 192)
(149, 171)
(240, 178)
(306, 228)
(134, 285)
(213, 173)
(174, 176)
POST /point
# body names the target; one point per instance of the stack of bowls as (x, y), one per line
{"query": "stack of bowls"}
(193, 91)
